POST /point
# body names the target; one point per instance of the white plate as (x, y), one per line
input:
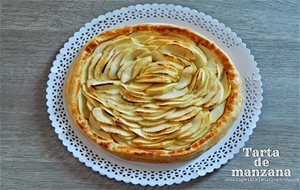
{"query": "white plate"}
(156, 174)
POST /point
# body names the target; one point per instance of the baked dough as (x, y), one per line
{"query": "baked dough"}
(153, 93)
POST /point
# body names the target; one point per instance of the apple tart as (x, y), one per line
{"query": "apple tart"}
(153, 93)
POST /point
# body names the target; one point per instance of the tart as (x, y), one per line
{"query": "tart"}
(153, 93)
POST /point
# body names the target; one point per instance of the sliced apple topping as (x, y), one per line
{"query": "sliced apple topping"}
(151, 90)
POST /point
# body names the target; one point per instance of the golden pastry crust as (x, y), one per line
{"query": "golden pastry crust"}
(231, 111)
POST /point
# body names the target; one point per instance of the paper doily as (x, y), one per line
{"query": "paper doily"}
(156, 174)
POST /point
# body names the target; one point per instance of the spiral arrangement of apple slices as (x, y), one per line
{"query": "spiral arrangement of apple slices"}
(151, 90)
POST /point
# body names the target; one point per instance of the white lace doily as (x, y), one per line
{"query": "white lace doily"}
(156, 174)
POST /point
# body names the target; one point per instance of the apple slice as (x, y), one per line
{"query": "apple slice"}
(159, 89)
(114, 64)
(185, 127)
(119, 107)
(212, 66)
(148, 112)
(138, 87)
(90, 105)
(98, 71)
(208, 97)
(166, 66)
(200, 58)
(218, 97)
(180, 113)
(87, 94)
(196, 124)
(119, 112)
(161, 116)
(101, 98)
(184, 101)
(160, 127)
(97, 54)
(138, 131)
(129, 58)
(158, 41)
(127, 73)
(184, 98)
(131, 97)
(199, 80)
(101, 47)
(116, 130)
(189, 116)
(130, 125)
(101, 116)
(140, 63)
(180, 37)
(128, 44)
(179, 104)
(82, 105)
(142, 36)
(95, 128)
(226, 85)
(217, 112)
(130, 71)
(151, 123)
(175, 64)
(180, 142)
(126, 89)
(206, 85)
(117, 43)
(122, 141)
(172, 94)
(160, 136)
(132, 55)
(204, 129)
(159, 145)
(151, 106)
(91, 67)
(168, 133)
(112, 91)
(220, 69)
(84, 71)
(150, 140)
(162, 71)
(177, 50)
(98, 84)
(186, 77)
(154, 78)
(131, 118)
(176, 147)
